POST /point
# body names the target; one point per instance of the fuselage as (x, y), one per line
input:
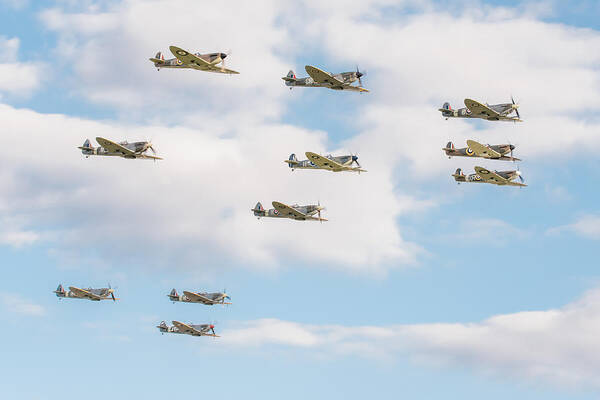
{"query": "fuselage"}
(503, 149)
(345, 77)
(136, 147)
(503, 109)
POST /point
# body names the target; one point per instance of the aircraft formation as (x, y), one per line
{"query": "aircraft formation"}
(215, 62)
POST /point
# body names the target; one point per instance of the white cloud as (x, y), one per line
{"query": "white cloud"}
(557, 346)
(587, 226)
(14, 303)
(194, 207)
(17, 78)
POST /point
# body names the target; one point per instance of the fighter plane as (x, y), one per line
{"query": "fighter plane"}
(188, 329)
(89, 293)
(475, 149)
(320, 78)
(202, 62)
(496, 177)
(329, 162)
(299, 213)
(205, 298)
(122, 149)
(475, 109)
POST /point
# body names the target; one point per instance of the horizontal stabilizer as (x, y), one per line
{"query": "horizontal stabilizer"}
(157, 61)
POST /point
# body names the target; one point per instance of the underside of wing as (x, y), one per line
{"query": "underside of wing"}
(324, 162)
(491, 177)
(320, 76)
(482, 151)
(287, 211)
(196, 297)
(84, 293)
(480, 110)
(114, 147)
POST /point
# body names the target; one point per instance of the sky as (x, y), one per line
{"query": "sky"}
(416, 287)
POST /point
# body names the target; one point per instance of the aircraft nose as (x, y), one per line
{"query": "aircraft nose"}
(512, 147)
(354, 158)
(223, 55)
(359, 74)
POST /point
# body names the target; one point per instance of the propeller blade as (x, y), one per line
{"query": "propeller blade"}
(113, 296)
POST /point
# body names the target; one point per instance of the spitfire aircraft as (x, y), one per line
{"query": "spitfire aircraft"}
(89, 293)
(475, 109)
(202, 62)
(320, 78)
(475, 149)
(122, 149)
(205, 298)
(188, 329)
(329, 163)
(299, 213)
(496, 177)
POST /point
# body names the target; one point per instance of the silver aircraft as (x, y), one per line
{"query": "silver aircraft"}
(88, 294)
(188, 329)
(475, 109)
(200, 297)
(475, 149)
(483, 175)
(202, 62)
(296, 212)
(320, 78)
(123, 149)
(329, 162)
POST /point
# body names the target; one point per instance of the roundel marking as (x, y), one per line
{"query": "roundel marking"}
(276, 212)
(470, 151)
(179, 62)
(484, 171)
(182, 52)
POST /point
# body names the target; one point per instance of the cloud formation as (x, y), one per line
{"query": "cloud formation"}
(17, 78)
(557, 346)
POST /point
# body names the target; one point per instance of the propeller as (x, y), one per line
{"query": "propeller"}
(223, 57)
(515, 107)
(355, 160)
(520, 176)
(359, 75)
(112, 293)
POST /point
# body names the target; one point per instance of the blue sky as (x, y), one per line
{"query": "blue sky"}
(416, 287)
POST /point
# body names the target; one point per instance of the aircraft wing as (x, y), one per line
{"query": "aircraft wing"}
(114, 147)
(199, 298)
(84, 293)
(492, 177)
(196, 62)
(324, 162)
(287, 211)
(321, 76)
(482, 151)
(148, 156)
(479, 110)
(185, 328)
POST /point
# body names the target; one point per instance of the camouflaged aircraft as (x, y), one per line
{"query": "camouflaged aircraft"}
(208, 299)
(187, 329)
(475, 109)
(299, 213)
(202, 62)
(320, 78)
(475, 149)
(501, 178)
(329, 162)
(123, 149)
(88, 294)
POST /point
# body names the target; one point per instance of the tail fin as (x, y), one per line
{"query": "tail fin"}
(289, 78)
(447, 109)
(163, 326)
(87, 147)
(174, 296)
(259, 210)
(450, 146)
(459, 176)
(292, 161)
(160, 56)
(60, 292)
